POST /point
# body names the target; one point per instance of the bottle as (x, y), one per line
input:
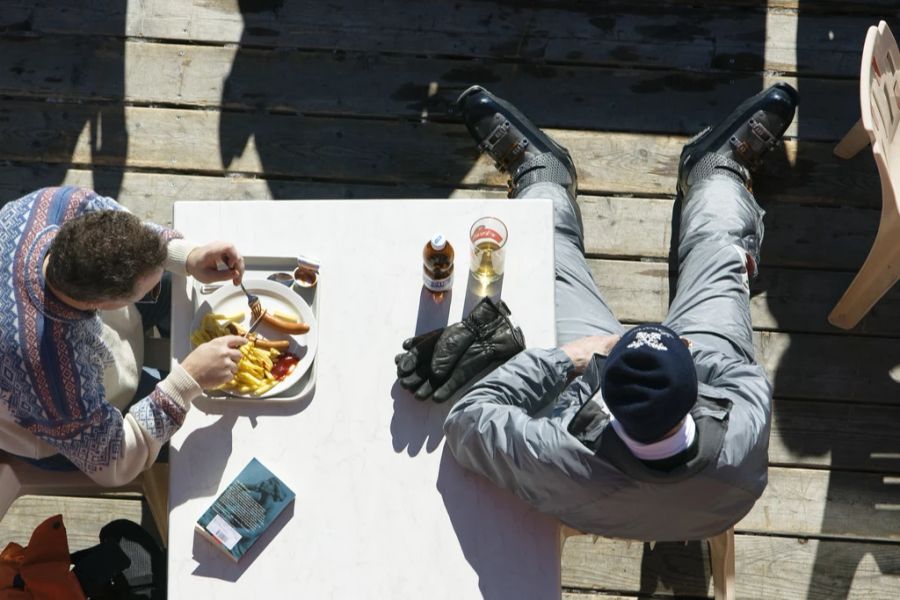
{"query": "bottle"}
(437, 268)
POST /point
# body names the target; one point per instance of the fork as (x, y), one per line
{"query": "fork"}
(252, 301)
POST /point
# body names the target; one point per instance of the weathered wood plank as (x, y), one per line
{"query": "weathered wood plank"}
(395, 86)
(799, 236)
(566, 595)
(835, 435)
(83, 517)
(627, 227)
(827, 367)
(590, 595)
(16, 19)
(767, 568)
(653, 35)
(152, 195)
(388, 151)
(791, 300)
(836, 504)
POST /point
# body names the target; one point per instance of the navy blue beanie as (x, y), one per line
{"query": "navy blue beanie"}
(649, 382)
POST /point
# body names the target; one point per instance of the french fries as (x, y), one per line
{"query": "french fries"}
(254, 374)
(286, 316)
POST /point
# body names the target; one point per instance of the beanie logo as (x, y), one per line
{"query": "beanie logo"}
(648, 338)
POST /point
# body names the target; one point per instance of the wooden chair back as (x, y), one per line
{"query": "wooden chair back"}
(879, 97)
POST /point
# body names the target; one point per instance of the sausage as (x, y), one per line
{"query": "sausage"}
(265, 344)
(259, 342)
(283, 324)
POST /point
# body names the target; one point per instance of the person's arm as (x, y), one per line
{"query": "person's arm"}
(492, 431)
(750, 392)
(109, 447)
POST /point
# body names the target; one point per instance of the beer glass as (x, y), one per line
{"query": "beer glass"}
(487, 242)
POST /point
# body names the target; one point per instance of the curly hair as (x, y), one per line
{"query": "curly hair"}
(100, 256)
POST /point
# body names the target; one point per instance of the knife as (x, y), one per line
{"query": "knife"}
(255, 323)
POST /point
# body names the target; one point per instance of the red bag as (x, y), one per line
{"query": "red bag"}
(42, 570)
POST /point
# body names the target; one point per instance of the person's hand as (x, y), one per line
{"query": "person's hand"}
(215, 362)
(581, 351)
(203, 263)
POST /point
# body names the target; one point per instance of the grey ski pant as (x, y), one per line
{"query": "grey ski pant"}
(721, 225)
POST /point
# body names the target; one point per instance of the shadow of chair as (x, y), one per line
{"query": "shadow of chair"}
(879, 97)
(721, 558)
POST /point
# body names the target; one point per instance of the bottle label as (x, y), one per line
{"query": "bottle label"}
(438, 285)
(483, 232)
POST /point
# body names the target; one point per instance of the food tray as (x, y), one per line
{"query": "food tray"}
(260, 267)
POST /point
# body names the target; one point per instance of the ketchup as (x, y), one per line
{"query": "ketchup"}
(284, 365)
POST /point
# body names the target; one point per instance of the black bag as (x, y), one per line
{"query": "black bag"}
(127, 564)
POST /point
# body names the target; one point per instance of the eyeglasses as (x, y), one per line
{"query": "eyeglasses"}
(153, 295)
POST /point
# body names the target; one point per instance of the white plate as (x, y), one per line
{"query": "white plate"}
(274, 297)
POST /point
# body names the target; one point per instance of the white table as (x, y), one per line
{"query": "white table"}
(383, 511)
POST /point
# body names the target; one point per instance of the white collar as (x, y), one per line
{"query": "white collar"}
(679, 441)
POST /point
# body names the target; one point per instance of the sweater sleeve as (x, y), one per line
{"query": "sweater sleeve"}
(112, 448)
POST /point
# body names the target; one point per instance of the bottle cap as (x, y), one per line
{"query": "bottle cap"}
(438, 241)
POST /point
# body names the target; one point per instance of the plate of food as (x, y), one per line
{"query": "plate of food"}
(282, 348)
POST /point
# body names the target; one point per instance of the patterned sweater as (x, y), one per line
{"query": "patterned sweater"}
(53, 357)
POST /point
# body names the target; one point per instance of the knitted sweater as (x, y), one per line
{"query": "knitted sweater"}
(57, 362)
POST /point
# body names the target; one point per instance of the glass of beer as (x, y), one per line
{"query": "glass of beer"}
(488, 247)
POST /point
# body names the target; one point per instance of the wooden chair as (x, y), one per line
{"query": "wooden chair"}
(879, 97)
(721, 558)
(19, 478)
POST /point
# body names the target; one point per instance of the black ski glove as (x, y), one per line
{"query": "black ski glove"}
(437, 364)
(414, 365)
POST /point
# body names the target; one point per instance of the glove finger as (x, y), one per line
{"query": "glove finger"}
(424, 390)
(421, 338)
(457, 380)
(452, 344)
(473, 362)
(407, 364)
(412, 381)
(519, 336)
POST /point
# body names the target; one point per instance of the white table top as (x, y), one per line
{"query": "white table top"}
(382, 510)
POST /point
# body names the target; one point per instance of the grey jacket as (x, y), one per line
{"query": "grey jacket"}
(550, 443)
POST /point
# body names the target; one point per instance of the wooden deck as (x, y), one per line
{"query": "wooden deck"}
(154, 101)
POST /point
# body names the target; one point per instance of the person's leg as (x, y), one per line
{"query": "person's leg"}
(580, 308)
(721, 230)
(721, 226)
(540, 168)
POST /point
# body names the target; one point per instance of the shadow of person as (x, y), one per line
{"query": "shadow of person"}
(214, 443)
(416, 424)
(278, 103)
(490, 546)
(91, 98)
(681, 568)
